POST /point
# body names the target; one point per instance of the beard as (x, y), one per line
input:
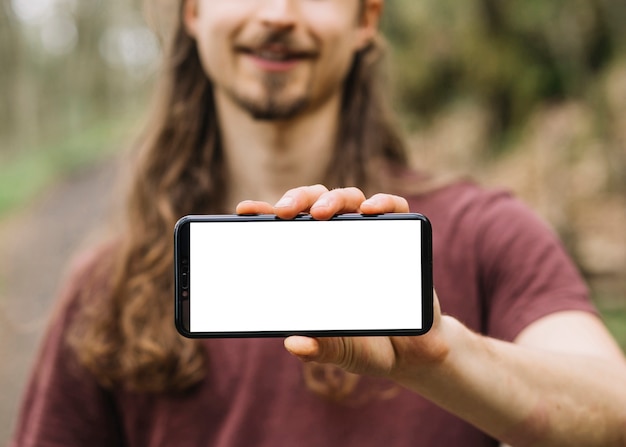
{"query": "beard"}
(273, 105)
(272, 98)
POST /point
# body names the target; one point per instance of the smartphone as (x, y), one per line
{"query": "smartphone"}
(261, 276)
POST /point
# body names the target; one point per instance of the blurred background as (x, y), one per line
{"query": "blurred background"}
(528, 95)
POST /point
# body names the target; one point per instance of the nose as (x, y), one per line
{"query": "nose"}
(281, 14)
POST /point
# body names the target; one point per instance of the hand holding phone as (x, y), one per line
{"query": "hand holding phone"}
(260, 276)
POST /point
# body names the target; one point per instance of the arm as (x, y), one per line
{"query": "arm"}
(563, 381)
(521, 394)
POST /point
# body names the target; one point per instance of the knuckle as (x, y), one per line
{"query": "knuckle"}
(318, 188)
(294, 191)
(381, 197)
(352, 190)
(402, 202)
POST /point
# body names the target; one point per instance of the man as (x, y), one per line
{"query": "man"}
(261, 96)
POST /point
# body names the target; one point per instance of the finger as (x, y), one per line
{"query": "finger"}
(298, 200)
(337, 201)
(254, 207)
(384, 203)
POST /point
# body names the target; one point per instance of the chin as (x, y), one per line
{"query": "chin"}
(270, 109)
(277, 113)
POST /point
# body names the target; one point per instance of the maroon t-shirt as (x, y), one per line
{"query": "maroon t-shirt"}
(497, 268)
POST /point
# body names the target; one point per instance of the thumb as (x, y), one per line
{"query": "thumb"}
(307, 349)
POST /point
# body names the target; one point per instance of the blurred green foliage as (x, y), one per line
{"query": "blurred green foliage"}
(74, 78)
(508, 55)
(24, 176)
(63, 72)
(612, 308)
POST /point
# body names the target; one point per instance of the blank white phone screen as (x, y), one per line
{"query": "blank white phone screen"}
(305, 276)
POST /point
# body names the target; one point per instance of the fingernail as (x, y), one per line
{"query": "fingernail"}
(369, 202)
(284, 202)
(321, 203)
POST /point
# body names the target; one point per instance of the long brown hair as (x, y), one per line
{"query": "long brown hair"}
(125, 333)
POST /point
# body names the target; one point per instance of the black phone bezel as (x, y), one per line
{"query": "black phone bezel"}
(182, 279)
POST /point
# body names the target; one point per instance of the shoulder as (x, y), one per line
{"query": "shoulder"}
(520, 269)
(474, 210)
(492, 226)
(53, 405)
(458, 196)
(88, 270)
(91, 261)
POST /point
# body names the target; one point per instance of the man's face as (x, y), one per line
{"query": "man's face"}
(276, 58)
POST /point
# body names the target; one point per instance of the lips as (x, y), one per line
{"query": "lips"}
(276, 56)
(276, 52)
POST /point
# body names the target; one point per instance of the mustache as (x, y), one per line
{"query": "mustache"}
(277, 40)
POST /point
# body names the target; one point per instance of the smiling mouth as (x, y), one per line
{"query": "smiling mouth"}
(274, 56)
(277, 53)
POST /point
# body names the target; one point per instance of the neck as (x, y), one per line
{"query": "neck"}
(263, 159)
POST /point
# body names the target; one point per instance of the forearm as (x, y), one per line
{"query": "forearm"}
(524, 396)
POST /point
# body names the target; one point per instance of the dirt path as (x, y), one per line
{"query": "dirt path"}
(36, 244)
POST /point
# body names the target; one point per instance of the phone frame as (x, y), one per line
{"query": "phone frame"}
(182, 280)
